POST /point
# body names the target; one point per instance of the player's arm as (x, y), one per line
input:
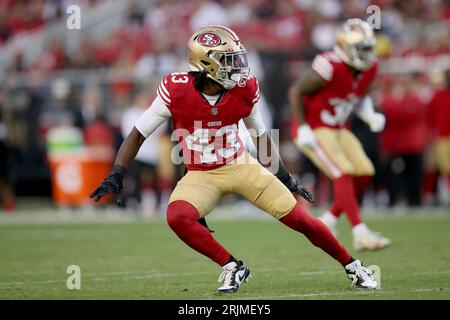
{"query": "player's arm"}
(366, 112)
(309, 83)
(150, 120)
(365, 109)
(268, 154)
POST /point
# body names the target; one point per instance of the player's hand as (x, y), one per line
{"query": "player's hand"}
(292, 184)
(112, 183)
(377, 122)
(305, 136)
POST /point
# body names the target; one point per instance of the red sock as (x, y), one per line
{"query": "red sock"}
(430, 179)
(316, 232)
(335, 209)
(345, 198)
(182, 218)
(360, 184)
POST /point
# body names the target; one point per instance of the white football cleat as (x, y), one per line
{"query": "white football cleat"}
(330, 220)
(233, 275)
(360, 275)
(365, 239)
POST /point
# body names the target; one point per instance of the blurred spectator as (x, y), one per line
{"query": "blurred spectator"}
(85, 56)
(323, 32)
(63, 101)
(159, 61)
(207, 13)
(403, 141)
(53, 58)
(98, 135)
(135, 15)
(6, 190)
(143, 186)
(97, 132)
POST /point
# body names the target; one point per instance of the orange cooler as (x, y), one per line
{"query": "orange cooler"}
(74, 175)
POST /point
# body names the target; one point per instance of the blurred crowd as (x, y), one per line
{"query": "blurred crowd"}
(21, 17)
(101, 87)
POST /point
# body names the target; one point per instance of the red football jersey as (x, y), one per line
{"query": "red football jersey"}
(331, 106)
(208, 133)
(438, 113)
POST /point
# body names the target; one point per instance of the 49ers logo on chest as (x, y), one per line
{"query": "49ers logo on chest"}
(208, 39)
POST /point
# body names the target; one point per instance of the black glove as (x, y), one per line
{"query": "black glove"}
(285, 177)
(112, 183)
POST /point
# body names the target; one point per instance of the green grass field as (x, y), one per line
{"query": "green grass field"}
(145, 260)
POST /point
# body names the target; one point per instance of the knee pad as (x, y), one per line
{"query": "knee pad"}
(180, 213)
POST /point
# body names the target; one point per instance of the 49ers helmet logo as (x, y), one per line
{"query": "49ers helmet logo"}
(209, 39)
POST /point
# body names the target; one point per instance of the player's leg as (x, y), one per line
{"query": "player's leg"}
(363, 170)
(442, 150)
(331, 159)
(265, 191)
(195, 195)
(321, 161)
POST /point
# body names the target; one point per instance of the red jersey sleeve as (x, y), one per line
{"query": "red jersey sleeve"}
(163, 90)
(323, 65)
(252, 90)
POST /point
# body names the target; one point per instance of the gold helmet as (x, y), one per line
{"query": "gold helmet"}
(355, 44)
(218, 51)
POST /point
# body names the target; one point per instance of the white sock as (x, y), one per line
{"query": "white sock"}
(360, 229)
(329, 218)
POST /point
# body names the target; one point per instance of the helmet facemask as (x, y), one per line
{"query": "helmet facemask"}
(233, 68)
(363, 54)
(356, 44)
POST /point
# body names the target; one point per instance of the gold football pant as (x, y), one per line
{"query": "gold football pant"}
(338, 152)
(245, 177)
(442, 152)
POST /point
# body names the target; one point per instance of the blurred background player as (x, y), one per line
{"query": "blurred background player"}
(403, 141)
(438, 119)
(6, 190)
(321, 101)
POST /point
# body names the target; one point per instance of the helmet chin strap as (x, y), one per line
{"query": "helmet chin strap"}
(193, 68)
(226, 84)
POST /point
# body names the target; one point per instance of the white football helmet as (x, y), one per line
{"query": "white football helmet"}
(355, 44)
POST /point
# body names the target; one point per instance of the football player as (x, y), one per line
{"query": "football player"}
(205, 106)
(438, 118)
(336, 85)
